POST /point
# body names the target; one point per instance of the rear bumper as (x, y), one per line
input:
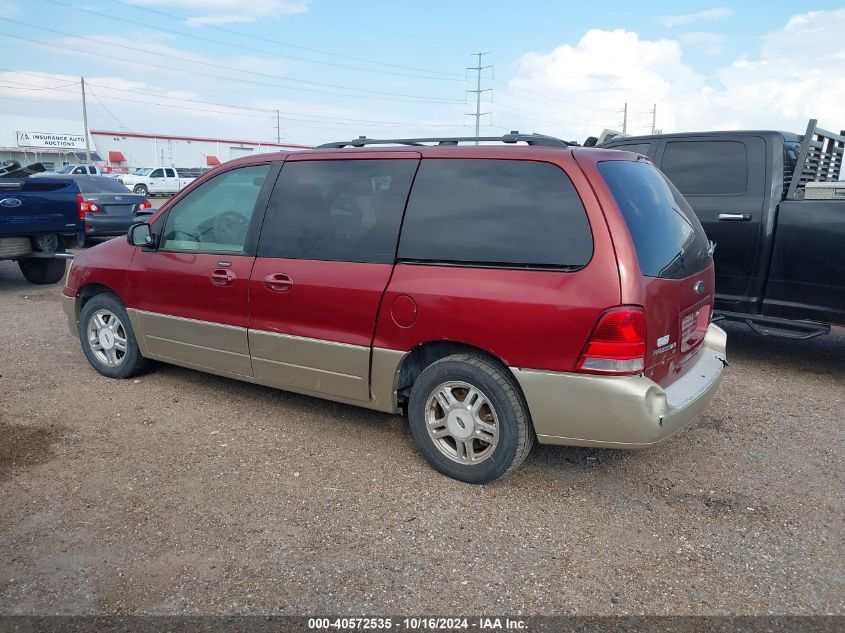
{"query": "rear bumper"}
(108, 227)
(621, 411)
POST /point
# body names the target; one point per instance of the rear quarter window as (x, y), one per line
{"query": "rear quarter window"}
(669, 240)
(510, 213)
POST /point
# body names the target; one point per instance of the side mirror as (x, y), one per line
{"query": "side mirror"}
(140, 235)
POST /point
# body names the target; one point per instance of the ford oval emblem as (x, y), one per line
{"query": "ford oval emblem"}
(699, 287)
(10, 203)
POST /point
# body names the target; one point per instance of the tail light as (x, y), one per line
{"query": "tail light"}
(617, 344)
(85, 206)
(143, 205)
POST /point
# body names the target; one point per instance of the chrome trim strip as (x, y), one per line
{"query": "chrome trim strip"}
(214, 346)
(324, 371)
(352, 374)
(319, 366)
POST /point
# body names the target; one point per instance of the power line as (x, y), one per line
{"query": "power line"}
(291, 116)
(548, 100)
(110, 113)
(248, 48)
(72, 83)
(404, 97)
(287, 44)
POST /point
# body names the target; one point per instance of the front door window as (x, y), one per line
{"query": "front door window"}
(215, 216)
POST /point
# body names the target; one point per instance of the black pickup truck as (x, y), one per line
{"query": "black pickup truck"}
(779, 232)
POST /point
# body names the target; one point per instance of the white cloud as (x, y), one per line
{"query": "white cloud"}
(798, 73)
(707, 43)
(230, 11)
(708, 15)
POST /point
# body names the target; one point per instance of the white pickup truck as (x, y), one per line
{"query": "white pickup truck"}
(155, 181)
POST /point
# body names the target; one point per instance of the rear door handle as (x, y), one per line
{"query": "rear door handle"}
(222, 277)
(735, 217)
(278, 282)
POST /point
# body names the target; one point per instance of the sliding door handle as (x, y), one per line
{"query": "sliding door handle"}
(735, 217)
(278, 282)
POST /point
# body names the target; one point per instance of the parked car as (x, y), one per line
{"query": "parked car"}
(39, 219)
(771, 202)
(508, 293)
(109, 207)
(146, 181)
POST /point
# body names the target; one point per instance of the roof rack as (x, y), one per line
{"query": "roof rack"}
(819, 159)
(540, 140)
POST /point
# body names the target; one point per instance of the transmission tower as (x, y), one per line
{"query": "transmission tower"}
(478, 113)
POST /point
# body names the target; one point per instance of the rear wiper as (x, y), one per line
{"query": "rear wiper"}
(677, 258)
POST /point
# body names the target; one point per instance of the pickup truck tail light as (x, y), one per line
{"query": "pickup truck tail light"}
(617, 344)
(85, 206)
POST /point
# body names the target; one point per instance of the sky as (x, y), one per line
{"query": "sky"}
(337, 69)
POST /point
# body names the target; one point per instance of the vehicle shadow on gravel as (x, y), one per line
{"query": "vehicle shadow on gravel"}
(823, 355)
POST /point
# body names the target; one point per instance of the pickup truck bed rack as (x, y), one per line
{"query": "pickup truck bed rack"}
(540, 140)
(819, 159)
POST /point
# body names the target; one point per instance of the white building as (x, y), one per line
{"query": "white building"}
(124, 150)
(57, 142)
(54, 142)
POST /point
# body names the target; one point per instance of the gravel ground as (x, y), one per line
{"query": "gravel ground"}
(185, 493)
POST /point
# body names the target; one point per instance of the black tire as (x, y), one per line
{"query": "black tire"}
(141, 190)
(516, 436)
(38, 270)
(132, 363)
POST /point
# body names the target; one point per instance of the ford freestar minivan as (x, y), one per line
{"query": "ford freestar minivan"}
(494, 293)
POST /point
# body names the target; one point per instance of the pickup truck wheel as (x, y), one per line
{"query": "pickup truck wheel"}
(107, 338)
(141, 190)
(468, 419)
(42, 270)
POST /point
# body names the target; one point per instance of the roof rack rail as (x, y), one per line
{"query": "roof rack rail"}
(540, 140)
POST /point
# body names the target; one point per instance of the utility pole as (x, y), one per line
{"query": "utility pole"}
(85, 124)
(478, 113)
(625, 119)
(654, 119)
(278, 128)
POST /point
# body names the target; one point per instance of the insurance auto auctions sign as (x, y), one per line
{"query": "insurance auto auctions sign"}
(52, 141)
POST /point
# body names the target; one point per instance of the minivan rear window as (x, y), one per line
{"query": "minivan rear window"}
(503, 213)
(669, 239)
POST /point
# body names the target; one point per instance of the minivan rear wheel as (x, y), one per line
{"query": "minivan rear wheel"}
(468, 419)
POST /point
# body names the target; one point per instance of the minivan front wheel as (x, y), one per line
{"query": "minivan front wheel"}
(107, 338)
(468, 419)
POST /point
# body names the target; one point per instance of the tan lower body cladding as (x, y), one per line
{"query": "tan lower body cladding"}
(325, 369)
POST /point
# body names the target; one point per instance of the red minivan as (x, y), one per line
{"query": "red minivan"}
(493, 293)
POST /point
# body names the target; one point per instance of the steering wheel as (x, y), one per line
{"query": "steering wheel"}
(230, 228)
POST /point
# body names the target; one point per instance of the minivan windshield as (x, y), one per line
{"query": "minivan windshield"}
(669, 239)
